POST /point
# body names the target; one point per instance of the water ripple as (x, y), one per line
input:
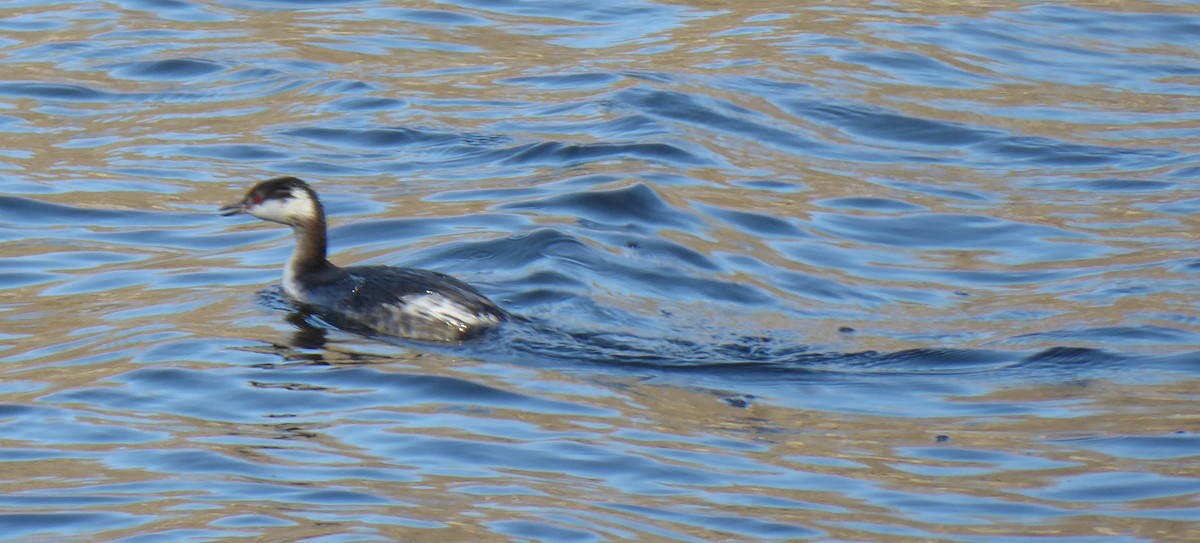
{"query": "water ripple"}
(861, 272)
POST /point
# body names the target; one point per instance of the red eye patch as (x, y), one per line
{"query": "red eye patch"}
(258, 199)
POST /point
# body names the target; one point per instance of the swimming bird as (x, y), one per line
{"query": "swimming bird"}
(405, 302)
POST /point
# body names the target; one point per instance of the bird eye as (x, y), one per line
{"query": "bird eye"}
(258, 199)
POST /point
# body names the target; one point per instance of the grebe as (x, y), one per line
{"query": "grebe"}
(406, 302)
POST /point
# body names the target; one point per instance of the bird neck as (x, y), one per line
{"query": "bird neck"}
(309, 254)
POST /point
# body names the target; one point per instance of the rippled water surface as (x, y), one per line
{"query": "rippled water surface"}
(890, 272)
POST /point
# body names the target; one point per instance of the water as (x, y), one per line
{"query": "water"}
(870, 272)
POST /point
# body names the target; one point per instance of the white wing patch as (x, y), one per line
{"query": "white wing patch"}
(435, 306)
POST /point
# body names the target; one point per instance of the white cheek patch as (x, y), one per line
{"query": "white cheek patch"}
(302, 205)
(270, 210)
(299, 208)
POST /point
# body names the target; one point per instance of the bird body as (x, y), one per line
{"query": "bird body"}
(404, 302)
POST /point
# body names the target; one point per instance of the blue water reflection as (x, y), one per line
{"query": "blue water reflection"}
(779, 272)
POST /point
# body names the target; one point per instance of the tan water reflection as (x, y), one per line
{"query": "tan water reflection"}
(853, 177)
